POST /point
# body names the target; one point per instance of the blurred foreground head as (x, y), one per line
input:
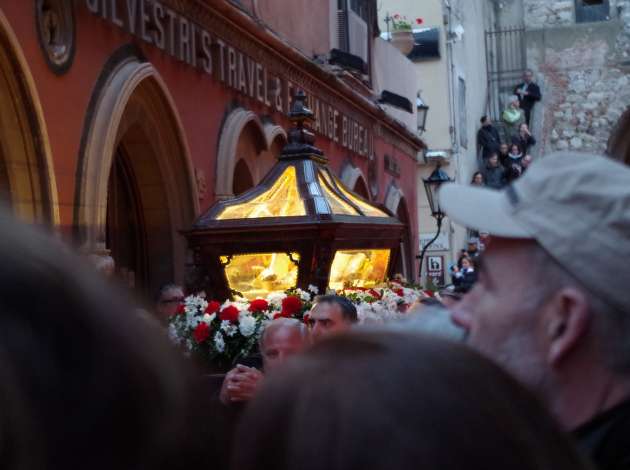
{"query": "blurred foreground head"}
(83, 383)
(376, 400)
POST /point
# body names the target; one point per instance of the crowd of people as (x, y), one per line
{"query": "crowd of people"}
(536, 374)
(504, 149)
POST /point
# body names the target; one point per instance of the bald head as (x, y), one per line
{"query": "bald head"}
(282, 338)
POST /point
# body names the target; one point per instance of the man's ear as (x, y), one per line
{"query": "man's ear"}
(568, 318)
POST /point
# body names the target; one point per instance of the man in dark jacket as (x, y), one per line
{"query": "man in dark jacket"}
(488, 138)
(528, 94)
(494, 173)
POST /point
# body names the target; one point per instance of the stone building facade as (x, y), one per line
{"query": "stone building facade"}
(582, 63)
(121, 122)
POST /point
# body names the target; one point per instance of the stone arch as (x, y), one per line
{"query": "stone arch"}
(26, 165)
(619, 142)
(240, 121)
(396, 203)
(393, 197)
(134, 114)
(353, 178)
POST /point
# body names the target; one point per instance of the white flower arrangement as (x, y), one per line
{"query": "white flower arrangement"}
(223, 333)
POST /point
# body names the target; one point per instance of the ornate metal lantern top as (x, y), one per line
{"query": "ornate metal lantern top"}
(300, 187)
(299, 226)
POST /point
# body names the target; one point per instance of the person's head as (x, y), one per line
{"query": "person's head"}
(439, 404)
(493, 160)
(167, 299)
(81, 376)
(477, 179)
(523, 128)
(564, 331)
(504, 149)
(282, 338)
(514, 103)
(515, 149)
(485, 121)
(528, 76)
(331, 314)
(527, 160)
(467, 263)
(449, 297)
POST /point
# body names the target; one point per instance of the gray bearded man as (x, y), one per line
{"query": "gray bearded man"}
(552, 301)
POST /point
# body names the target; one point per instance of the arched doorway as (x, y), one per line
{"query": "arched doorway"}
(404, 262)
(244, 137)
(396, 204)
(619, 142)
(27, 179)
(242, 178)
(352, 177)
(137, 189)
(360, 187)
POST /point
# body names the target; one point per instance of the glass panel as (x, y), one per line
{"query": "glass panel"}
(358, 268)
(281, 200)
(368, 209)
(338, 205)
(258, 274)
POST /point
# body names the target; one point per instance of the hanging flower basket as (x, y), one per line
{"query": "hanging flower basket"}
(403, 41)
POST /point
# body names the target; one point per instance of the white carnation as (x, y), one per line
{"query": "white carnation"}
(207, 318)
(313, 289)
(247, 325)
(228, 328)
(275, 299)
(173, 334)
(219, 343)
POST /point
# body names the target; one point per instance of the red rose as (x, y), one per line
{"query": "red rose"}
(229, 314)
(400, 292)
(374, 294)
(277, 315)
(201, 333)
(258, 305)
(181, 309)
(290, 306)
(213, 307)
(419, 21)
(307, 318)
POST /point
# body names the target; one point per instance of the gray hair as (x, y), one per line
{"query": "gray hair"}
(165, 288)
(611, 326)
(290, 323)
(432, 320)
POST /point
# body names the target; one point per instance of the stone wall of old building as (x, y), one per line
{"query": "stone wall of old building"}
(583, 70)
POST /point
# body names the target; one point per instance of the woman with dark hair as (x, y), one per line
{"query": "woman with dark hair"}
(524, 139)
(478, 179)
(378, 400)
(513, 168)
(84, 383)
(464, 274)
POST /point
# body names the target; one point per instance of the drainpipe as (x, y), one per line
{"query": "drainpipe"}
(450, 65)
(450, 76)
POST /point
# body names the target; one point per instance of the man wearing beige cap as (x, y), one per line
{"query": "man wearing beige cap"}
(552, 303)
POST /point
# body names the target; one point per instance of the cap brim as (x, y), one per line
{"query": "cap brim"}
(481, 209)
